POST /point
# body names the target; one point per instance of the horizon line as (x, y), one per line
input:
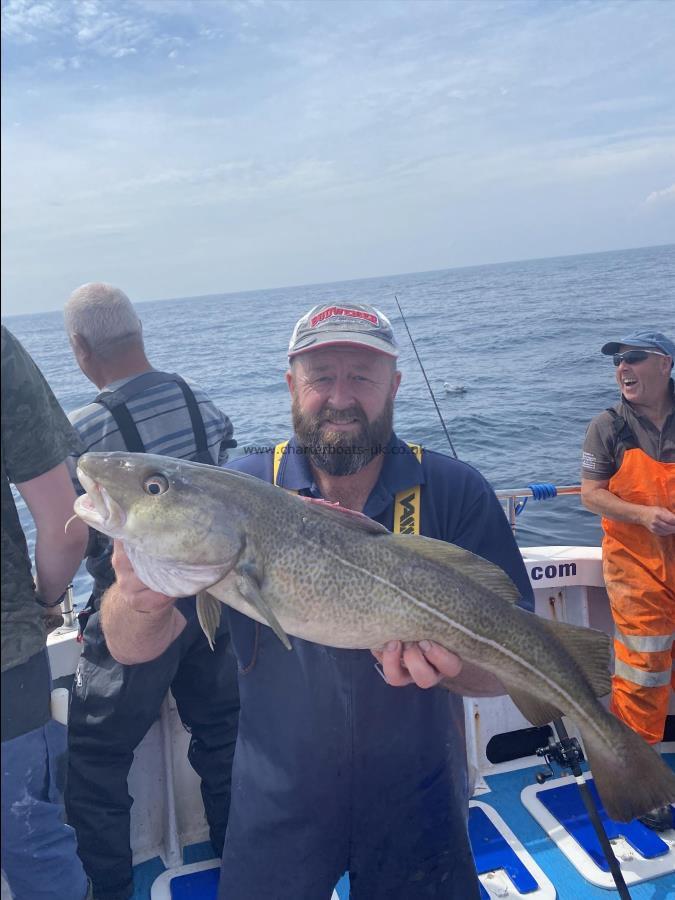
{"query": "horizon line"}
(309, 284)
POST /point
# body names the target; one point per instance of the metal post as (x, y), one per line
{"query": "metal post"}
(67, 609)
(173, 856)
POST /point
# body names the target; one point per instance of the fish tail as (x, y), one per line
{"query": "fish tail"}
(631, 777)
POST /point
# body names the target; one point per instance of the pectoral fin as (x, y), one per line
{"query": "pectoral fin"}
(248, 587)
(208, 614)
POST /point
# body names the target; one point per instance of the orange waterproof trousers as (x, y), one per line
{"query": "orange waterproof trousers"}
(639, 571)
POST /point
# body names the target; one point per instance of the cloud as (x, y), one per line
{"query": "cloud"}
(23, 20)
(331, 131)
(61, 64)
(666, 195)
(100, 27)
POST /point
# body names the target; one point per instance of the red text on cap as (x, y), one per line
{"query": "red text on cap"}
(342, 311)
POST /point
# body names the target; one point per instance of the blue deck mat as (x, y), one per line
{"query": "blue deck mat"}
(505, 798)
(566, 805)
(196, 885)
(492, 852)
(490, 848)
(204, 885)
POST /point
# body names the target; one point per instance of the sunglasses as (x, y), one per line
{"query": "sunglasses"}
(633, 356)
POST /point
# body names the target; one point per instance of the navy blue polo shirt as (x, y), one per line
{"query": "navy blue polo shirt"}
(457, 503)
(336, 770)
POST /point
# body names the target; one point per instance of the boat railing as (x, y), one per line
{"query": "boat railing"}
(514, 499)
(68, 608)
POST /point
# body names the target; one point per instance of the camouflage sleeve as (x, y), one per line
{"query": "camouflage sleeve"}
(598, 461)
(71, 463)
(36, 434)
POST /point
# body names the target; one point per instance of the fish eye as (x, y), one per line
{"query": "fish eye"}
(156, 484)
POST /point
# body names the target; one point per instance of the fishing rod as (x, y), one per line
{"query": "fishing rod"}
(566, 751)
(454, 453)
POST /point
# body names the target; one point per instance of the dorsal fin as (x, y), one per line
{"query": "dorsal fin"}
(468, 564)
(344, 516)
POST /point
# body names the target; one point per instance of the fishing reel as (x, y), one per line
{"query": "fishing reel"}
(566, 753)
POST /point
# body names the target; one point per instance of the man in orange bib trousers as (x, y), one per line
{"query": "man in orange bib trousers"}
(628, 477)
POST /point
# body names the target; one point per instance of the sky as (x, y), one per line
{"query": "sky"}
(178, 148)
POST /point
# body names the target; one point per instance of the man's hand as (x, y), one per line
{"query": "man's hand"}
(595, 496)
(138, 595)
(425, 664)
(52, 619)
(659, 520)
(428, 664)
(138, 623)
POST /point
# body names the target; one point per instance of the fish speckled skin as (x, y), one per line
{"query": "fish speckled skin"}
(340, 579)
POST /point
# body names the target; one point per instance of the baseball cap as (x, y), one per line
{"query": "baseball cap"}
(649, 340)
(351, 324)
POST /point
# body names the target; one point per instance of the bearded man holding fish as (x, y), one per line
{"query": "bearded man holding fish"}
(335, 770)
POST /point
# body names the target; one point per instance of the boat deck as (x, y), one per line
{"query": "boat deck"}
(554, 875)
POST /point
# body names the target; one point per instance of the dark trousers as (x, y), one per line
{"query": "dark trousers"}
(113, 707)
(337, 771)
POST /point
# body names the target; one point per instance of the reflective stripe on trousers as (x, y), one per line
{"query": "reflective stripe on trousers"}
(639, 571)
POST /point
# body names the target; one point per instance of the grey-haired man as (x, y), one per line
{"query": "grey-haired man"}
(113, 706)
(628, 477)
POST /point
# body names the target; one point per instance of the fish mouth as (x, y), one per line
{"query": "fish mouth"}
(97, 508)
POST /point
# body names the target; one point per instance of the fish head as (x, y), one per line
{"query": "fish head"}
(172, 515)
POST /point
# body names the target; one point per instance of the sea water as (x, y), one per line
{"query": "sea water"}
(523, 339)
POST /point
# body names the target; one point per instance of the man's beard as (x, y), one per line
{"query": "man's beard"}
(340, 452)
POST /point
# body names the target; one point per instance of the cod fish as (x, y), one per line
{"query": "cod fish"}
(338, 578)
